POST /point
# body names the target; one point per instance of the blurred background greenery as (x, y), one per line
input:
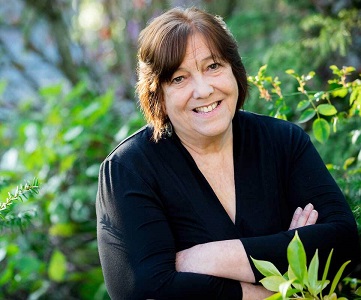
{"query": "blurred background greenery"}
(67, 75)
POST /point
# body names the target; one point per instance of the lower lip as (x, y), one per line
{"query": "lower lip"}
(210, 113)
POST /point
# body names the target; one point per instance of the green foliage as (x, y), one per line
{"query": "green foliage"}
(299, 281)
(332, 117)
(63, 141)
(325, 105)
(21, 193)
(329, 34)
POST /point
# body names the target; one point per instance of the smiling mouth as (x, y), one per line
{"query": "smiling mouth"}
(207, 109)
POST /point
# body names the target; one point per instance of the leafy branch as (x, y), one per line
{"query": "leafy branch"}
(314, 103)
(22, 192)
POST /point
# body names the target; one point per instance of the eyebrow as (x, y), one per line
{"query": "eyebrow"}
(210, 57)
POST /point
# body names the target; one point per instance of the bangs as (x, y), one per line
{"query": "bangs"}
(173, 48)
(172, 51)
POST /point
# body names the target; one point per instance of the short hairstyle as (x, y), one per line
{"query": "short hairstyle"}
(161, 50)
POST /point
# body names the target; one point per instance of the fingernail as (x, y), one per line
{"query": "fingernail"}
(309, 206)
(298, 210)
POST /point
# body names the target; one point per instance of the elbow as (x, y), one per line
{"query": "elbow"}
(139, 285)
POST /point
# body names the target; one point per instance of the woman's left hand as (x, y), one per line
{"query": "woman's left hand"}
(304, 217)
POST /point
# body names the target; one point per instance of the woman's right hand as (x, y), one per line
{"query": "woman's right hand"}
(304, 217)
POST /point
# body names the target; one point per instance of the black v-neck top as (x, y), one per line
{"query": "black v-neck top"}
(153, 201)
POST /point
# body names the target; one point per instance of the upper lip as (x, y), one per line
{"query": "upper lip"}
(205, 105)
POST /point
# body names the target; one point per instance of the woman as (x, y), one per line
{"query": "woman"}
(184, 202)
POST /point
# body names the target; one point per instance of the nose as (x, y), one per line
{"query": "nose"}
(201, 88)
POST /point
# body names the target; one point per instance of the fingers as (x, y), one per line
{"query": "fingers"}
(295, 217)
(304, 217)
(312, 218)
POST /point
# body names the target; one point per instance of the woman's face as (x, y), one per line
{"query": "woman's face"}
(201, 98)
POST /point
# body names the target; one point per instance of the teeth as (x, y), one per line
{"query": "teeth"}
(206, 109)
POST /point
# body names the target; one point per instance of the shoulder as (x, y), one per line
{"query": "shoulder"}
(276, 129)
(132, 146)
(139, 152)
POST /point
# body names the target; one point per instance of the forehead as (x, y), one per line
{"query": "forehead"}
(198, 48)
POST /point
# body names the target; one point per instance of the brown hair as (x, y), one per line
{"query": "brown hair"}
(161, 50)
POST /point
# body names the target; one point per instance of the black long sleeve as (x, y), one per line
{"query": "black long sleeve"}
(303, 178)
(136, 245)
(153, 201)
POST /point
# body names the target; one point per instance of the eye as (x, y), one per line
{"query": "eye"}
(214, 66)
(178, 79)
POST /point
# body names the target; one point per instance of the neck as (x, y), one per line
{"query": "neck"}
(209, 146)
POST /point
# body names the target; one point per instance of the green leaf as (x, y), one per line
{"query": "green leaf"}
(342, 92)
(313, 275)
(321, 130)
(358, 291)
(327, 266)
(350, 69)
(327, 109)
(334, 68)
(302, 105)
(285, 109)
(57, 266)
(276, 296)
(296, 256)
(7, 275)
(338, 276)
(307, 115)
(53, 90)
(284, 287)
(348, 162)
(291, 276)
(62, 229)
(356, 93)
(272, 283)
(266, 268)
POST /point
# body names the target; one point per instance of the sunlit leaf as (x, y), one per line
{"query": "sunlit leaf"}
(284, 287)
(57, 266)
(350, 69)
(276, 296)
(358, 291)
(321, 130)
(53, 90)
(272, 283)
(356, 94)
(62, 229)
(327, 266)
(327, 109)
(313, 274)
(340, 93)
(348, 162)
(291, 276)
(266, 268)
(338, 277)
(296, 256)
